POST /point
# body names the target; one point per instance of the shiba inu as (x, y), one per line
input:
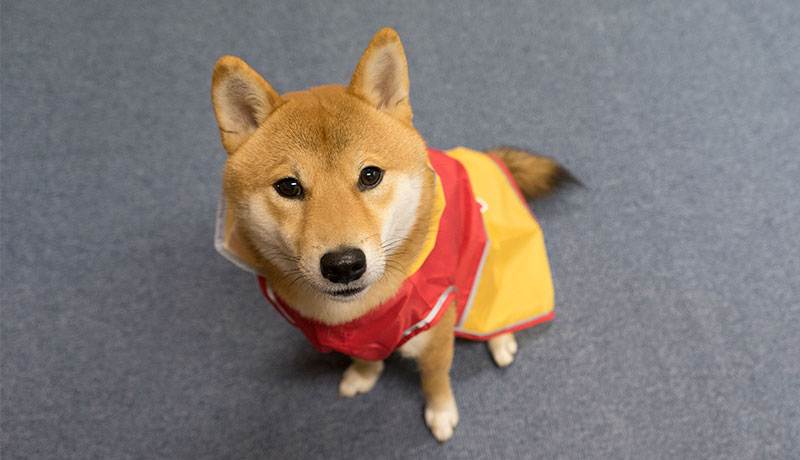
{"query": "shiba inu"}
(367, 240)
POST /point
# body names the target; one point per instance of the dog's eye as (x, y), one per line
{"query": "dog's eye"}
(370, 177)
(289, 188)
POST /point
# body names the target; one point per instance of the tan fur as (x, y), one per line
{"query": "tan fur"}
(434, 368)
(503, 348)
(242, 100)
(435, 359)
(535, 175)
(359, 377)
(323, 137)
(381, 76)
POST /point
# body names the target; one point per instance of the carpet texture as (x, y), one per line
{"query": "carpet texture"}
(677, 268)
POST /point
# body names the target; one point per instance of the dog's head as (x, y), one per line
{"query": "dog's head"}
(326, 183)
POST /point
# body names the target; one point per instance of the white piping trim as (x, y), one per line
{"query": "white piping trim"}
(510, 326)
(432, 314)
(475, 282)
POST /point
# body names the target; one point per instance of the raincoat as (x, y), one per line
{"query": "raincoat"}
(485, 251)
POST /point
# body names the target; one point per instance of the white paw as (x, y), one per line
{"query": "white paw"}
(359, 381)
(503, 348)
(442, 420)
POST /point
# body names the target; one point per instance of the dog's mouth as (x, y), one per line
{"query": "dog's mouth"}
(344, 294)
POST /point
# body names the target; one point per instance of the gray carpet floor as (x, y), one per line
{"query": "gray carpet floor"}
(677, 269)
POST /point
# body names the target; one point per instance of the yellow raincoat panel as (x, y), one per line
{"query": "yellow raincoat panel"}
(513, 288)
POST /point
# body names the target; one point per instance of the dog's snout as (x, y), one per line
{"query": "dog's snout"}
(344, 265)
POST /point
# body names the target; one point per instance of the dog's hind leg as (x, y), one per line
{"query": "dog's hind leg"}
(359, 377)
(503, 348)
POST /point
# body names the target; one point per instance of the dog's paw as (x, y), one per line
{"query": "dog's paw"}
(359, 378)
(503, 348)
(442, 419)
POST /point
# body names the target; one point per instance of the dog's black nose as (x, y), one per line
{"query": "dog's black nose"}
(344, 265)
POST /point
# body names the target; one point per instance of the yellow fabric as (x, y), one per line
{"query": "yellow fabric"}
(514, 285)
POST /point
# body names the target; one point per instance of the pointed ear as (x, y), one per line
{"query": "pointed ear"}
(242, 100)
(381, 77)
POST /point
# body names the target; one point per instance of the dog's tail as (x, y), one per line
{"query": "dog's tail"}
(535, 175)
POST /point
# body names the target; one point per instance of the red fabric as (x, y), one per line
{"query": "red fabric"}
(453, 261)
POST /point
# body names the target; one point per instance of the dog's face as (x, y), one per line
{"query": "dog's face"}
(326, 183)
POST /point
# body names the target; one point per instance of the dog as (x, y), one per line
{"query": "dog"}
(367, 240)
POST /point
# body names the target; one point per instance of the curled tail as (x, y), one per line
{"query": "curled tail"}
(535, 175)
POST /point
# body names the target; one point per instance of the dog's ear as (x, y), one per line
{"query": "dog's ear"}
(242, 100)
(381, 77)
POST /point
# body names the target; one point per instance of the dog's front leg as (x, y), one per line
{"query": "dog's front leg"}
(434, 353)
(359, 377)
